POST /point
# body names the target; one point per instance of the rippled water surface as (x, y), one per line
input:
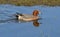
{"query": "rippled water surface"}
(49, 27)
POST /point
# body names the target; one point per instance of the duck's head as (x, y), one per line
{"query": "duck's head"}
(35, 13)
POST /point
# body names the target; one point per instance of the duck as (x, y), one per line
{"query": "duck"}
(28, 17)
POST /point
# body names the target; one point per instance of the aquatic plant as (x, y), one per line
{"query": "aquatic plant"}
(31, 2)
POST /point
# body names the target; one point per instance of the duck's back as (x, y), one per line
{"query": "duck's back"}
(28, 16)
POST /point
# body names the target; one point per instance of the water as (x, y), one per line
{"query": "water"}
(50, 26)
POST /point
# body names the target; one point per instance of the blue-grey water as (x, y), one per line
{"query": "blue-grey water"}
(50, 26)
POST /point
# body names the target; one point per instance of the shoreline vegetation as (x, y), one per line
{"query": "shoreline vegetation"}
(31, 2)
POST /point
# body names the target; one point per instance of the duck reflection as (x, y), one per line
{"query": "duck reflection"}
(36, 23)
(14, 20)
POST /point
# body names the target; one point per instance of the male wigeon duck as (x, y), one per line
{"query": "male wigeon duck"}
(28, 17)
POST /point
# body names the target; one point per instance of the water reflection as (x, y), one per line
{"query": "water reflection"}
(7, 20)
(35, 22)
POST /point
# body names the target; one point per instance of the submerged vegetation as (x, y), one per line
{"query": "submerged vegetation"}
(31, 2)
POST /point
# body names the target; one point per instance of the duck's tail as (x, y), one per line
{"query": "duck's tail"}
(19, 14)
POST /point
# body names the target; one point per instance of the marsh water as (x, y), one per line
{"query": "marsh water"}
(49, 25)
